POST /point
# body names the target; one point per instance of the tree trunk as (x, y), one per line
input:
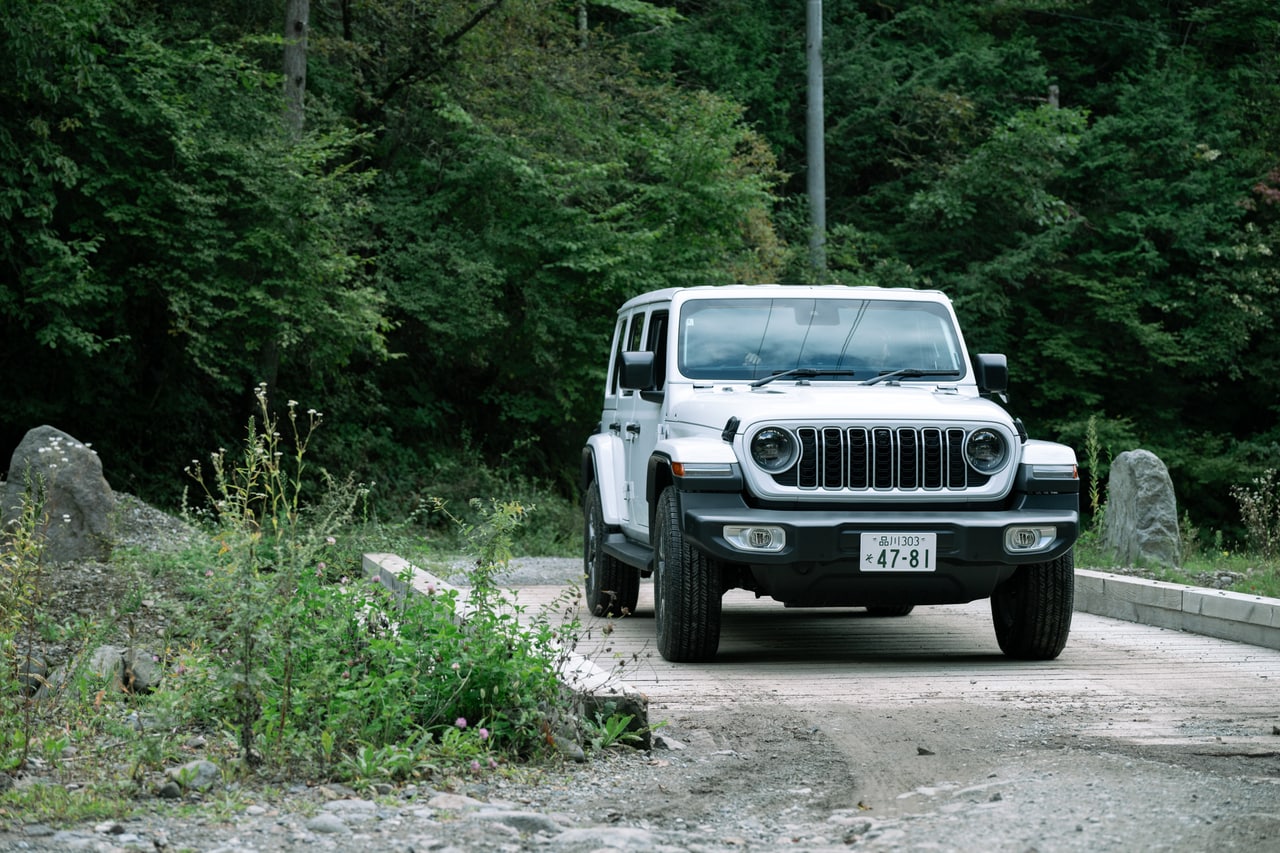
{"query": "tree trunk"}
(296, 15)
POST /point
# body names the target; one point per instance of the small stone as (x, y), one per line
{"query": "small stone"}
(525, 822)
(661, 741)
(920, 750)
(327, 824)
(170, 791)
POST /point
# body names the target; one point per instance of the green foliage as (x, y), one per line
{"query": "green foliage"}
(21, 548)
(300, 651)
(1260, 511)
(613, 730)
(478, 186)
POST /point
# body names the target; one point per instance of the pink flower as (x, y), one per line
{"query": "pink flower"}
(475, 766)
(484, 734)
(461, 722)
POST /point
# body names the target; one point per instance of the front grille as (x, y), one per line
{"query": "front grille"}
(880, 458)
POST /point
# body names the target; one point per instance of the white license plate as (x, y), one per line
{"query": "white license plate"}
(899, 552)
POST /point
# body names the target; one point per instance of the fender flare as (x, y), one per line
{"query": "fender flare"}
(602, 461)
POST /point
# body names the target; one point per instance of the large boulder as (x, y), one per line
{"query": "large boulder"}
(76, 504)
(1141, 524)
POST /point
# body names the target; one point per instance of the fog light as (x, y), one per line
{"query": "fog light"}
(768, 540)
(1028, 540)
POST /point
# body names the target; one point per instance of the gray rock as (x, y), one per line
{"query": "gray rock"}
(107, 664)
(327, 824)
(529, 823)
(1141, 525)
(195, 775)
(607, 838)
(142, 672)
(65, 477)
(446, 802)
(33, 673)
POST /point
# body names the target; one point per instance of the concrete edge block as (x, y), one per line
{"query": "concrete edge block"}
(1226, 615)
(1233, 606)
(600, 692)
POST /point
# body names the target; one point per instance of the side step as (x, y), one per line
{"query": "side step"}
(624, 550)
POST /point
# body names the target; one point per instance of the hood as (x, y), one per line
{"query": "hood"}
(828, 402)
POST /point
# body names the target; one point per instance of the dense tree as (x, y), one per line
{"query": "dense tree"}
(435, 254)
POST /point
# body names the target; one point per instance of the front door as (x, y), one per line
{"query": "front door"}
(641, 413)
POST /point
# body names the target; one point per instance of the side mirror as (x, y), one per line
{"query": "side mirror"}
(992, 374)
(638, 371)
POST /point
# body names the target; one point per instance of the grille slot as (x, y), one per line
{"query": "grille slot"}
(880, 458)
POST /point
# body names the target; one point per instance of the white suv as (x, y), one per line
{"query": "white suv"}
(826, 447)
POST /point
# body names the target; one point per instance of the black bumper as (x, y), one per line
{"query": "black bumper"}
(820, 563)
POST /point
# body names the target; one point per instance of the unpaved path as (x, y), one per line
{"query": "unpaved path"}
(822, 730)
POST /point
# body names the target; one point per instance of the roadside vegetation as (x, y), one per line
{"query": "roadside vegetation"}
(1246, 562)
(281, 662)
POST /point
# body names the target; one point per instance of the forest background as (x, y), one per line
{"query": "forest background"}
(430, 247)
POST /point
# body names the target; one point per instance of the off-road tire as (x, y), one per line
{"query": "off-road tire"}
(890, 610)
(686, 589)
(1032, 610)
(613, 587)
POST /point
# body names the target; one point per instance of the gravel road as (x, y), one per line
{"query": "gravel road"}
(820, 731)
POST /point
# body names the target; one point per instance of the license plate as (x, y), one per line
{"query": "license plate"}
(899, 552)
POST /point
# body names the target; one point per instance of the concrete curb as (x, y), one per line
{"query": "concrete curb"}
(1252, 619)
(599, 691)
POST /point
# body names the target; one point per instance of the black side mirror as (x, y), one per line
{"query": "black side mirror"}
(992, 374)
(638, 371)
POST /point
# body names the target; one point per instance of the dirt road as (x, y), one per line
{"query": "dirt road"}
(833, 728)
(824, 730)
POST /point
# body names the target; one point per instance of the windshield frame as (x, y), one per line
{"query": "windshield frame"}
(821, 337)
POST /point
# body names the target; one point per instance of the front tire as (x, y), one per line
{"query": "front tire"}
(613, 587)
(686, 590)
(894, 610)
(1032, 610)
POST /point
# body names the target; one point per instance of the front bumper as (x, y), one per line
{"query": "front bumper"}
(819, 565)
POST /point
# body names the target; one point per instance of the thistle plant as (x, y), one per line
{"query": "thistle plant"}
(264, 549)
(21, 547)
(1260, 511)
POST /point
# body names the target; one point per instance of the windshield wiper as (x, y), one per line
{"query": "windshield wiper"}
(803, 373)
(908, 373)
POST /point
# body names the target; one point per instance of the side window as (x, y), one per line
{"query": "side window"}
(657, 344)
(620, 337)
(637, 328)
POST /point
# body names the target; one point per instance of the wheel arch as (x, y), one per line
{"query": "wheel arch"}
(602, 462)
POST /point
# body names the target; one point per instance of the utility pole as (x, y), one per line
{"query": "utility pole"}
(815, 143)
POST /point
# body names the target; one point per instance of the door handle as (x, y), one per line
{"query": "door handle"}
(634, 429)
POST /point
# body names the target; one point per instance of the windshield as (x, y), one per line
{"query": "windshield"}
(753, 338)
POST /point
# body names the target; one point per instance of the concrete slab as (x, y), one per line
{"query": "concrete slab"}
(1252, 619)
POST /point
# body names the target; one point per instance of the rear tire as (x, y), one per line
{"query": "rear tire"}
(1032, 610)
(686, 590)
(613, 587)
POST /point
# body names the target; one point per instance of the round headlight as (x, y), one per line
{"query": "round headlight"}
(985, 451)
(773, 449)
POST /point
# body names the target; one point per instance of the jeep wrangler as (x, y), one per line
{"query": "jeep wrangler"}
(826, 447)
